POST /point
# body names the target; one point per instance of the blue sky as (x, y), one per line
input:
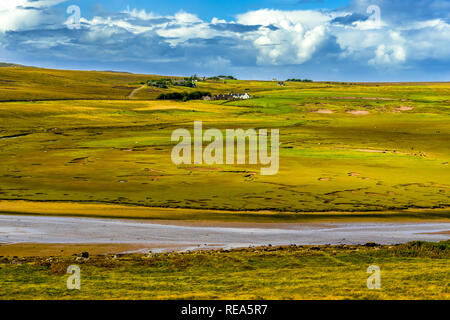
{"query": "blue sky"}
(206, 9)
(342, 40)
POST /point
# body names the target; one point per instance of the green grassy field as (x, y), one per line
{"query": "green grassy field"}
(344, 147)
(411, 271)
(98, 144)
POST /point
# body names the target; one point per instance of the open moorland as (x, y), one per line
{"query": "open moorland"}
(98, 144)
(103, 138)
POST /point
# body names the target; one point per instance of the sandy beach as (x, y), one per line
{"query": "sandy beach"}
(158, 236)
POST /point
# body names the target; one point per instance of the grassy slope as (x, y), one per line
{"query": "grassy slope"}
(411, 271)
(25, 83)
(108, 151)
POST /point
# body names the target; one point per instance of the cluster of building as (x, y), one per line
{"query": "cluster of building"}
(229, 96)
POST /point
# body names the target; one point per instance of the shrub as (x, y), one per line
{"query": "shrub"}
(299, 80)
(171, 96)
(195, 95)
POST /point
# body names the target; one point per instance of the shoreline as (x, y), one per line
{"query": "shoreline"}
(119, 211)
(187, 235)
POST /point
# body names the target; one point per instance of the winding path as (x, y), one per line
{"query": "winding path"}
(136, 90)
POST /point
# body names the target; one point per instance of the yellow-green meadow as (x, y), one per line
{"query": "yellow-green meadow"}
(343, 147)
(98, 144)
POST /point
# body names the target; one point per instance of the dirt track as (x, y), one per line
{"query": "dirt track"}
(135, 91)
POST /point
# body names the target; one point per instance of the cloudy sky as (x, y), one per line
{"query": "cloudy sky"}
(345, 40)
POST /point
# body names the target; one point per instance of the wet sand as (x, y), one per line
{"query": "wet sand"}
(442, 232)
(164, 236)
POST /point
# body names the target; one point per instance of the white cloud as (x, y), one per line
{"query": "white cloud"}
(262, 38)
(267, 17)
(369, 24)
(216, 21)
(385, 55)
(396, 46)
(140, 14)
(184, 17)
(180, 32)
(109, 26)
(176, 29)
(294, 39)
(289, 44)
(24, 14)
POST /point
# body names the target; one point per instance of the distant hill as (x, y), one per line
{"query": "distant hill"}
(18, 83)
(113, 71)
(9, 65)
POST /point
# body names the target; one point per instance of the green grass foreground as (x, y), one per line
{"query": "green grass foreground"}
(417, 270)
